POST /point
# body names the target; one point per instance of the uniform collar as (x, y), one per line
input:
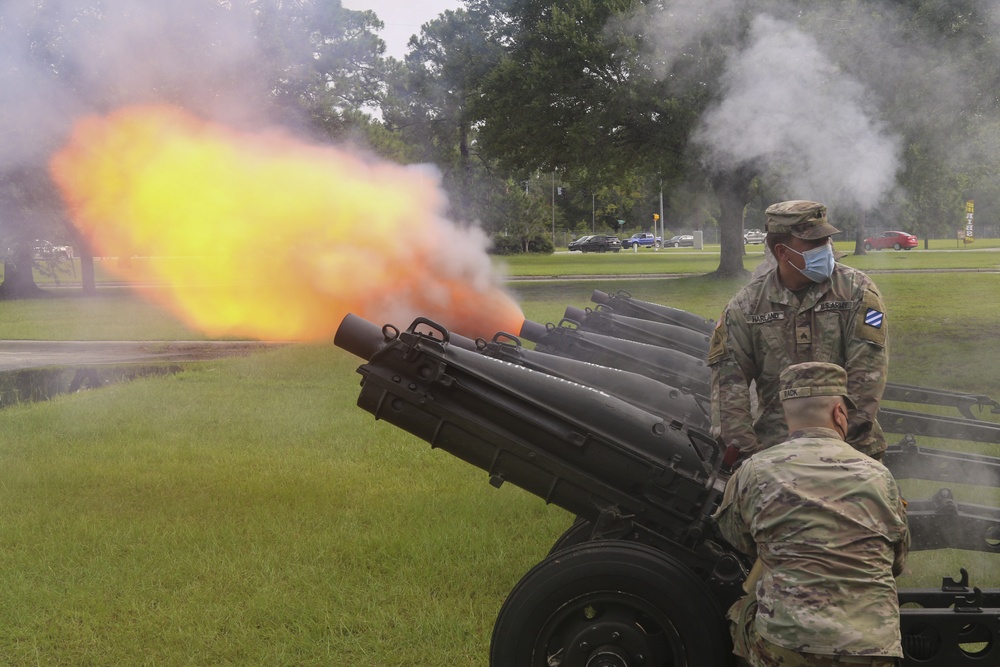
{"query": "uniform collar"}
(778, 293)
(815, 432)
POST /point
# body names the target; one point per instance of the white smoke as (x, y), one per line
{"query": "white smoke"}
(787, 108)
(60, 60)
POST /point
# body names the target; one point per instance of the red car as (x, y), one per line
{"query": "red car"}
(894, 240)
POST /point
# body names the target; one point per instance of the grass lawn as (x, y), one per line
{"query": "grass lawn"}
(984, 255)
(245, 512)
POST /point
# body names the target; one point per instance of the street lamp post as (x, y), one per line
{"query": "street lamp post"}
(553, 209)
(663, 231)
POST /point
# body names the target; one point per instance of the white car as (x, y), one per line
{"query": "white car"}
(753, 237)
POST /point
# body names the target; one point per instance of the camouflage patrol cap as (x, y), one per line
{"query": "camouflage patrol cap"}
(802, 219)
(814, 378)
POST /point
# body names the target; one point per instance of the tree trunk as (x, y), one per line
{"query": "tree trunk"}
(18, 278)
(87, 273)
(86, 256)
(859, 236)
(732, 189)
(465, 168)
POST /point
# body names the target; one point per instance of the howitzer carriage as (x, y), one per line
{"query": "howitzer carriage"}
(608, 418)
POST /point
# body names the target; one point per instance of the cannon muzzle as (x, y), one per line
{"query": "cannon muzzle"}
(533, 331)
(363, 338)
(360, 337)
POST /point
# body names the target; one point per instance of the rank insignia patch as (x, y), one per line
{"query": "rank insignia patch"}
(873, 318)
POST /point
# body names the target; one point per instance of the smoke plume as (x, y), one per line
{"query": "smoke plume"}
(786, 106)
(166, 143)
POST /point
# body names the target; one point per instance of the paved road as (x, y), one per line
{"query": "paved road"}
(19, 354)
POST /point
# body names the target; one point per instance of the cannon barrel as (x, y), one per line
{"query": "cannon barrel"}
(671, 336)
(359, 336)
(622, 303)
(650, 395)
(600, 457)
(363, 338)
(670, 367)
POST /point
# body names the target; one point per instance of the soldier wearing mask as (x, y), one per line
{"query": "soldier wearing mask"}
(808, 307)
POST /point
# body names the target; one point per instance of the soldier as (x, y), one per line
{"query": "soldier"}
(828, 529)
(807, 308)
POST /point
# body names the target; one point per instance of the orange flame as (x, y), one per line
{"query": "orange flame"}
(265, 236)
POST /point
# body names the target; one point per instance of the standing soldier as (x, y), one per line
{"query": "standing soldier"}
(807, 308)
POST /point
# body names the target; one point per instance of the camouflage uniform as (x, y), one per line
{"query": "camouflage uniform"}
(766, 328)
(828, 528)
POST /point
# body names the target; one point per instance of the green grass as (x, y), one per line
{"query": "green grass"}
(246, 512)
(113, 314)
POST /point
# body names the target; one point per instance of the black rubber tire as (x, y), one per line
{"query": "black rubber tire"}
(896, 246)
(868, 247)
(610, 603)
(578, 533)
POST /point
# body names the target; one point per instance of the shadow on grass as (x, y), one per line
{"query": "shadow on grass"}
(41, 384)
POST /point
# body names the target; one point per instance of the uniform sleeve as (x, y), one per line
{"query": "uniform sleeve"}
(732, 368)
(732, 518)
(901, 547)
(867, 362)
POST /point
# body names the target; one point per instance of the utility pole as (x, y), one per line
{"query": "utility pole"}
(593, 213)
(663, 232)
(553, 209)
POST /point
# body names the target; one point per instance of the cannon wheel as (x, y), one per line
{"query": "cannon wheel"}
(579, 532)
(610, 604)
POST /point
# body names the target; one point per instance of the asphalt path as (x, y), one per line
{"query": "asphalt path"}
(21, 354)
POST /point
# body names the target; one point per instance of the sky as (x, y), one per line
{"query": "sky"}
(402, 18)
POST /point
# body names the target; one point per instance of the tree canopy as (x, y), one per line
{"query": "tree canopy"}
(887, 112)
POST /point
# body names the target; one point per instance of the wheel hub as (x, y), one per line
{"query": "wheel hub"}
(608, 656)
(613, 640)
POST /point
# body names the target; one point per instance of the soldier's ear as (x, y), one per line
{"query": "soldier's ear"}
(780, 252)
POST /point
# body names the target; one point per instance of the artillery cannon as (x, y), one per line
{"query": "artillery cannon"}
(642, 577)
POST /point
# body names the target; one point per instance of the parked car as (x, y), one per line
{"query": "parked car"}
(681, 240)
(643, 240)
(894, 240)
(50, 251)
(753, 237)
(596, 243)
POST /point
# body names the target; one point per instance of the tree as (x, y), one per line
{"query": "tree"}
(309, 64)
(430, 98)
(321, 60)
(31, 100)
(578, 88)
(31, 205)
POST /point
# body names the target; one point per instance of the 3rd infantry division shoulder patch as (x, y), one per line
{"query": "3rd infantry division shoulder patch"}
(873, 318)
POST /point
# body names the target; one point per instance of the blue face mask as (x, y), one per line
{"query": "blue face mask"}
(819, 263)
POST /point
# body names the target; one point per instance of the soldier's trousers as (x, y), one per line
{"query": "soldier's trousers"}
(759, 652)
